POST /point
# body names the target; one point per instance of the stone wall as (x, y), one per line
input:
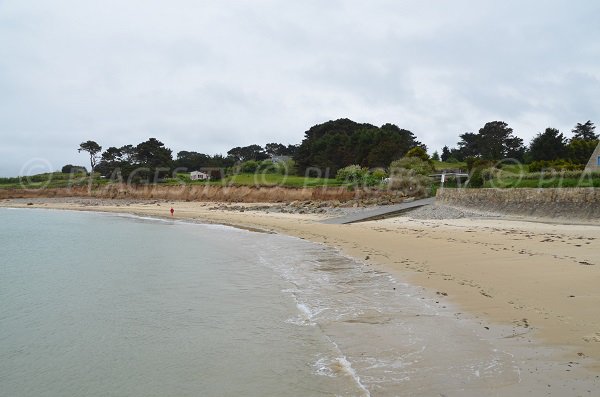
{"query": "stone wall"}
(564, 203)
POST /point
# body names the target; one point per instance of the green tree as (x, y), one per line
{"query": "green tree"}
(549, 145)
(435, 156)
(495, 141)
(155, 157)
(585, 131)
(110, 161)
(278, 149)
(92, 148)
(251, 152)
(469, 145)
(112, 154)
(580, 150)
(275, 149)
(445, 153)
(582, 144)
(337, 144)
(221, 161)
(128, 153)
(192, 160)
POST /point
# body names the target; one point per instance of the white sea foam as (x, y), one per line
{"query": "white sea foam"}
(339, 366)
(350, 371)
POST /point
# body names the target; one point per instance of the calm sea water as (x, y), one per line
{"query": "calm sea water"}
(106, 305)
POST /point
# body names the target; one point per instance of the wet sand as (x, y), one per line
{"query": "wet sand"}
(535, 284)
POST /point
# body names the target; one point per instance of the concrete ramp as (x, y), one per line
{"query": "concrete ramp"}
(379, 212)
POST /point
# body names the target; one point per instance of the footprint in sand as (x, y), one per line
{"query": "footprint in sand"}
(522, 323)
(586, 263)
(592, 338)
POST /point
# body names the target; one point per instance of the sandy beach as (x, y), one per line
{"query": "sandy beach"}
(538, 280)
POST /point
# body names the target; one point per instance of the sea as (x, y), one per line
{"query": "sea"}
(96, 304)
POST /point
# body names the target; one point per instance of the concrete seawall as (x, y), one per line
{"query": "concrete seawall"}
(564, 203)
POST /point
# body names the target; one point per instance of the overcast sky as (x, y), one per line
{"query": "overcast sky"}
(210, 75)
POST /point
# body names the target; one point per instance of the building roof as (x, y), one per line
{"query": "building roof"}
(593, 164)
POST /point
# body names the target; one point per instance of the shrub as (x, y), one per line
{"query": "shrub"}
(418, 152)
(378, 174)
(75, 169)
(249, 166)
(287, 167)
(490, 173)
(416, 164)
(215, 174)
(552, 174)
(476, 162)
(352, 173)
(409, 182)
(557, 165)
(480, 170)
(476, 179)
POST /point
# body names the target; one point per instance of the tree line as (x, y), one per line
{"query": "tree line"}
(551, 148)
(328, 147)
(151, 160)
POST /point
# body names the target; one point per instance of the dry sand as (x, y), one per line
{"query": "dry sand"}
(541, 279)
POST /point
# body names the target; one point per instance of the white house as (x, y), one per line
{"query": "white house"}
(594, 163)
(199, 176)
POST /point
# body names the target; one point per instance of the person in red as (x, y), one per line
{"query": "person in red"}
(172, 211)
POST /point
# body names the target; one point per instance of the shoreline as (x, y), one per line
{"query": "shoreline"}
(539, 279)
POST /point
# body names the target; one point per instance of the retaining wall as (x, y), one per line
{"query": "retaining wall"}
(579, 203)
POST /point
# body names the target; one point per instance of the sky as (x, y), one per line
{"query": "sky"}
(208, 75)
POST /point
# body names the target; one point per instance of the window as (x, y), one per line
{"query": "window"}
(598, 163)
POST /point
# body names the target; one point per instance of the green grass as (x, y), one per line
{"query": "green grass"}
(259, 180)
(60, 180)
(48, 180)
(441, 165)
(508, 178)
(515, 168)
(280, 180)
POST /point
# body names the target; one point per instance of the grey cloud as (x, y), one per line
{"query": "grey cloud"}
(211, 75)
